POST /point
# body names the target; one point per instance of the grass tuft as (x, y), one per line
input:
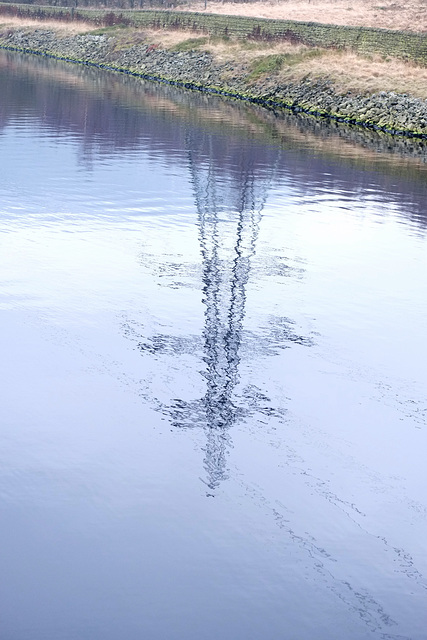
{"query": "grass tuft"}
(273, 63)
(190, 44)
(266, 64)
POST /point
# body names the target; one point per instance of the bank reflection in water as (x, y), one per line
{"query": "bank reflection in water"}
(110, 114)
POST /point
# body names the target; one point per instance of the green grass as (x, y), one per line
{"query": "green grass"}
(264, 65)
(108, 30)
(190, 44)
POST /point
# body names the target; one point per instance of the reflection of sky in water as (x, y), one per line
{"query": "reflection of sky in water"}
(198, 305)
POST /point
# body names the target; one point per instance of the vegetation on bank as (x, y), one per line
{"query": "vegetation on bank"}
(281, 62)
(285, 62)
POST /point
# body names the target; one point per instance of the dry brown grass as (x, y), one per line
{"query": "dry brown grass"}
(351, 72)
(410, 15)
(347, 70)
(53, 25)
(223, 49)
(168, 39)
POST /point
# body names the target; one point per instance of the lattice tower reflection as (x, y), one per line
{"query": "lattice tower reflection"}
(230, 187)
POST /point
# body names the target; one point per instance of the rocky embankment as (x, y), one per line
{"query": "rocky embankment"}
(386, 111)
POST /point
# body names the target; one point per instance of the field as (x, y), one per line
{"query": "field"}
(408, 16)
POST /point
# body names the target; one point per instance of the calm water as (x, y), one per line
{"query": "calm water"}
(213, 393)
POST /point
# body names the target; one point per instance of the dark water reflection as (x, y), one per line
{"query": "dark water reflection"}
(202, 299)
(112, 117)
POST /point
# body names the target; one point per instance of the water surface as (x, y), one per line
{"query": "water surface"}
(213, 414)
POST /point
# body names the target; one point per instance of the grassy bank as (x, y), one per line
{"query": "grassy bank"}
(286, 61)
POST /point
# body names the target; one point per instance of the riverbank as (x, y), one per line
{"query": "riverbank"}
(279, 75)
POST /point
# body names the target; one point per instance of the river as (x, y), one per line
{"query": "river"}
(213, 375)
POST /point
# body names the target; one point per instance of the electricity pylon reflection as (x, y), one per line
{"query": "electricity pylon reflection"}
(230, 185)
